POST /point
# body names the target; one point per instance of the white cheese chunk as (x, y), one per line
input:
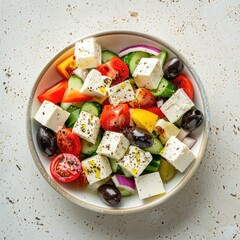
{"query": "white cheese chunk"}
(113, 145)
(135, 160)
(177, 154)
(51, 116)
(149, 185)
(165, 130)
(96, 168)
(178, 104)
(95, 84)
(121, 93)
(148, 73)
(87, 127)
(88, 53)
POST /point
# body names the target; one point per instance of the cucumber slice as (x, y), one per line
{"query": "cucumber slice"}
(90, 148)
(156, 147)
(73, 117)
(94, 108)
(166, 170)
(135, 58)
(165, 89)
(107, 55)
(75, 82)
(153, 166)
(124, 192)
(127, 58)
(162, 56)
(65, 105)
(114, 164)
(72, 108)
(125, 172)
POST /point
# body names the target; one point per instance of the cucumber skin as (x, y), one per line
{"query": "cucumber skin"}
(153, 166)
(72, 118)
(156, 147)
(165, 89)
(135, 59)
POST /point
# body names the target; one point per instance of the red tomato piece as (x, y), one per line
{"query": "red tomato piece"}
(68, 142)
(144, 99)
(55, 93)
(73, 95)
(156, 110)
(65, 168)
(82, 179)
(183, 82)
(115, 118)
(116, 69)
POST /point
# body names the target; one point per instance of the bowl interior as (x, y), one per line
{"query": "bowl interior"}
(85, 197)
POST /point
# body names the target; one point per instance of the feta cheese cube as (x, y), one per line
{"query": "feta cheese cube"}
(113, 145)
(121, 93)
(95, 84)
(177, 153)
(148, 73)
(87, 127)
(51, 116)
(165, 130)
(96, 168)
(178, 104)
(149, 185)
(88, 53)
(135, 160)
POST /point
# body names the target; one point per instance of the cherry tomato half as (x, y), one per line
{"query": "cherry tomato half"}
(116, 69)
(68, 142)
(181, 81)
(115, 118)
(65, 168)
(144, 99)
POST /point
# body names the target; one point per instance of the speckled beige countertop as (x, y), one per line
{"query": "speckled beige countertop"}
(206, 32)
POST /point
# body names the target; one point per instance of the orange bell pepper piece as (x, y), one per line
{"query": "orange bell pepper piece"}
(67, 66)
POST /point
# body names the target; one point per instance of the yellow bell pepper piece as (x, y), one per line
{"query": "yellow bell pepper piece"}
(144, 119)
(67, 66)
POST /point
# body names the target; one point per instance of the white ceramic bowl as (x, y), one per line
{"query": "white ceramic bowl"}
(115, 41)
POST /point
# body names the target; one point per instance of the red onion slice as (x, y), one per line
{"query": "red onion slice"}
(143, 48)
(189, 141)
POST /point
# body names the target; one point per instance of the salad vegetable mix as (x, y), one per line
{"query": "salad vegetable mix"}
(119, 121)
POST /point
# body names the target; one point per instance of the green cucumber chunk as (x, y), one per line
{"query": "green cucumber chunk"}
(94, 108)
(126, 58)
(124, 192)
(75, 82)
(135, 58)
(107, 55)
(72, 117)
(125, 172)
(66, 105)
(156, 147)
(153, 166)
(114, 164)
(162, 56)
(90, 148)
(165, 89)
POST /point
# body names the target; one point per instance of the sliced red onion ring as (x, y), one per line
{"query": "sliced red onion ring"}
(143, 48)
(123, 182)
(189, 141)
(182, 134)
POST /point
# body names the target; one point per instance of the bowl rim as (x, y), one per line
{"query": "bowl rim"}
(120, 211)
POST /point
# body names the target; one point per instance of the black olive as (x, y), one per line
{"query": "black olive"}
(138, 137)
(192, 119)
(47, 141)
(172, 68)
(109, 194)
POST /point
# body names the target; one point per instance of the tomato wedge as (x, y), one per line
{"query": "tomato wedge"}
(156, 110)
(181, 81)
(115, 118)
(68, 142)
(116, 69)
(73, 95)
(144, 99)
(65, 168)
(55, 93)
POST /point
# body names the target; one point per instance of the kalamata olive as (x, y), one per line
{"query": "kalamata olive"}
(138, 137)
(172, 68)
(192, 119)
(109, 194)
(47, 141)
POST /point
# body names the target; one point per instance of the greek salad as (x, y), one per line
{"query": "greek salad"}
(121, 122)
